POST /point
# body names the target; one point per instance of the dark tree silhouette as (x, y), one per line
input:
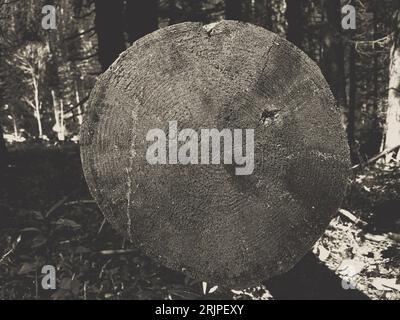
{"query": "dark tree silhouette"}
(234, 10)
(109, 25)
(333, 50)
(295, 20)
(141, 17)
(263, 13)
(376, 132)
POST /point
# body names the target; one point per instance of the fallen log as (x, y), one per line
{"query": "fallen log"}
(205, 220)
(352, 218)
(377, 157)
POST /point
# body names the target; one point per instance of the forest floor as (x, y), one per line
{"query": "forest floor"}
(47, 218)
(367, 258)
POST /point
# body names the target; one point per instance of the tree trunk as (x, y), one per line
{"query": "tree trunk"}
(333, 50)
(15, 124)
(141, 17)
(248, 10)
(263, 14)
(268, 15)
(109, 25)
(234, 10)
(295, 20)
(376, 66)
(218, 226)
(16, 134)
(393, 112)
(3, 152)
(351, 116)
(79, 112)
(61, 136)
(173, 12)
(37, 106)
(59, 117)
(376, 127)
(56, 127)
(39, 122)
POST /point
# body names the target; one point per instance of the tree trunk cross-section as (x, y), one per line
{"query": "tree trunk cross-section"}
(203, 219)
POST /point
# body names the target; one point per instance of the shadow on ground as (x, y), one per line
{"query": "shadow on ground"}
(311, 280)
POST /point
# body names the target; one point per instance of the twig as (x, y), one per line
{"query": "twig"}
(101, 227)
(77, 35)
(115, 252)
(80, 103)
(382, 41)
(104, 268)
(74, 116)
(56, 206)
(14, 246)
(376, 238)
(6, 255)
(79, 202)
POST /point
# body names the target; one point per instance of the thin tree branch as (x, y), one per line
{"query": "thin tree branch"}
(85, 15)
(78, 34)
(6, 3)
(83, 101)
(377, 157)
(84, 58)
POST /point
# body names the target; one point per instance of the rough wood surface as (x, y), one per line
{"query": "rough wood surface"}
(202, 219)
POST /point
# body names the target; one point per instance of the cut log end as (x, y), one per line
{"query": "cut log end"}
(216, 226)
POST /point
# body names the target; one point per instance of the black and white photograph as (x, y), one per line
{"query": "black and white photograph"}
(217, 151)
